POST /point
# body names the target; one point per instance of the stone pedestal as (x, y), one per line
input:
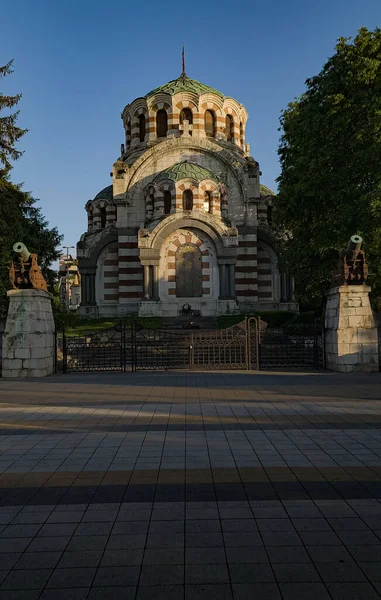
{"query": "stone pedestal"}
(150, 308)
(350, 332)
(227, 306)
(28, 340)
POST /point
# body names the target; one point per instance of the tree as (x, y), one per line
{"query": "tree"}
(20, 218)
(9, 132)
(330, 155)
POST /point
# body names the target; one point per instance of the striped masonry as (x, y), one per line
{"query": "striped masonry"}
(246, 267)
(129, 268)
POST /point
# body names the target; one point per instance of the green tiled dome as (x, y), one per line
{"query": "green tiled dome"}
(265, 191)
(105, 194)
(186, 170)
(184, 84)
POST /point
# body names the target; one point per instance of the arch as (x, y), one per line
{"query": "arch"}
(128, 133)
(107, 275)
(142, 128)
(102, 210)
(161, 123)
(241, 134)
(163, 230)
(269, 214)
(167, 202)
(188, 271)
(229, 128)
(187, 199)
(268, 273)
(210, 123)
(186, 115)
(207, 201)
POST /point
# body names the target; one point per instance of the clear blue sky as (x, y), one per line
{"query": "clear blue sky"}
(79, 62)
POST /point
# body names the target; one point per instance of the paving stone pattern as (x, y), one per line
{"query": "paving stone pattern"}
(190, 486)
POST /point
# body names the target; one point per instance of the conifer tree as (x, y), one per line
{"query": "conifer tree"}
(9, 132)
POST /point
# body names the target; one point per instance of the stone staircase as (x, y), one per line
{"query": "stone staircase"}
(183, 321)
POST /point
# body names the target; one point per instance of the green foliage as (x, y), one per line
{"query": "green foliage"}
(330, 183)
(75, 325)
(9, 132)
(20, 219)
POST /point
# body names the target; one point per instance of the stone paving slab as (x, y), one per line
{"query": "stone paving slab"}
(191, 485)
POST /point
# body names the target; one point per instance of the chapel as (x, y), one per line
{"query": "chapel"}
(186, 222)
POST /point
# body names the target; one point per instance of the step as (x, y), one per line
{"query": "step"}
(181, 322)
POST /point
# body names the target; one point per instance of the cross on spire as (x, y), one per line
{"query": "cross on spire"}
(183, 74)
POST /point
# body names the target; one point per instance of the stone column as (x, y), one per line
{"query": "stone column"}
(155, 282)
(88, 288)
(146, 282)
(29, 340)
(284, 296)
(231, 281)
(351, 341)
(91, 279)
(222, 281)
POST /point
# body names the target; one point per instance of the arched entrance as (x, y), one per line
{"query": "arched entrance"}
(188, 271)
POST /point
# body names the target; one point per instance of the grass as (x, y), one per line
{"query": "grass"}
(82, 326)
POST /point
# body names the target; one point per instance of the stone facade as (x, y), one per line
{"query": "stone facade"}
(351, 339)
(29, 335)
(185, 201)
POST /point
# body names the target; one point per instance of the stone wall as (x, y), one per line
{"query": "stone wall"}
(350, 331)
(29, 336)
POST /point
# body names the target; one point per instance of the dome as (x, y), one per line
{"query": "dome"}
(265, 191)
(186, 170)
(184, 84)
(105, 194)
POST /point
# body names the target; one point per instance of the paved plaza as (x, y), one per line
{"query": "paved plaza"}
(191, 486)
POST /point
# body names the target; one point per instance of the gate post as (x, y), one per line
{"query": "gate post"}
(191, 354)
(64, 351)
(248, 344)
(123, 346)
(133, 346)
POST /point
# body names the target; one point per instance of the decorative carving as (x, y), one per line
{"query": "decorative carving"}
(24, 271)
(186, 128)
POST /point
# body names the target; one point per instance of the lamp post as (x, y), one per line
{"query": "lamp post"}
(67, 248)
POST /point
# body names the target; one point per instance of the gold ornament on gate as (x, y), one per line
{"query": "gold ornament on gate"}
(24, 272)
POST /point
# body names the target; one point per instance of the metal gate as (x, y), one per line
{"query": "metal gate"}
(279, 349)
(224, 349)
(105, 350)
(248, 345)
(155, 349)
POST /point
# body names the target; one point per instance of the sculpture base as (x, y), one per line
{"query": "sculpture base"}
(29, 338)
(150, 308)
(351, 342)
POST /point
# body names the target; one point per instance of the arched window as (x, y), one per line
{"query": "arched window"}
(242, 137)
(103, 216)
(128, 134)
(229, 128)
(186, 115)
(187, 200)
(161, 123)
(210, 123)
(167, 202)
(142, 128)
(207, 202)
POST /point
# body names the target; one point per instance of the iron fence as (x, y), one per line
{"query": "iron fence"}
(244, 346)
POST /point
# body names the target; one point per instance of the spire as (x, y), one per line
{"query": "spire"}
(183, 74)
